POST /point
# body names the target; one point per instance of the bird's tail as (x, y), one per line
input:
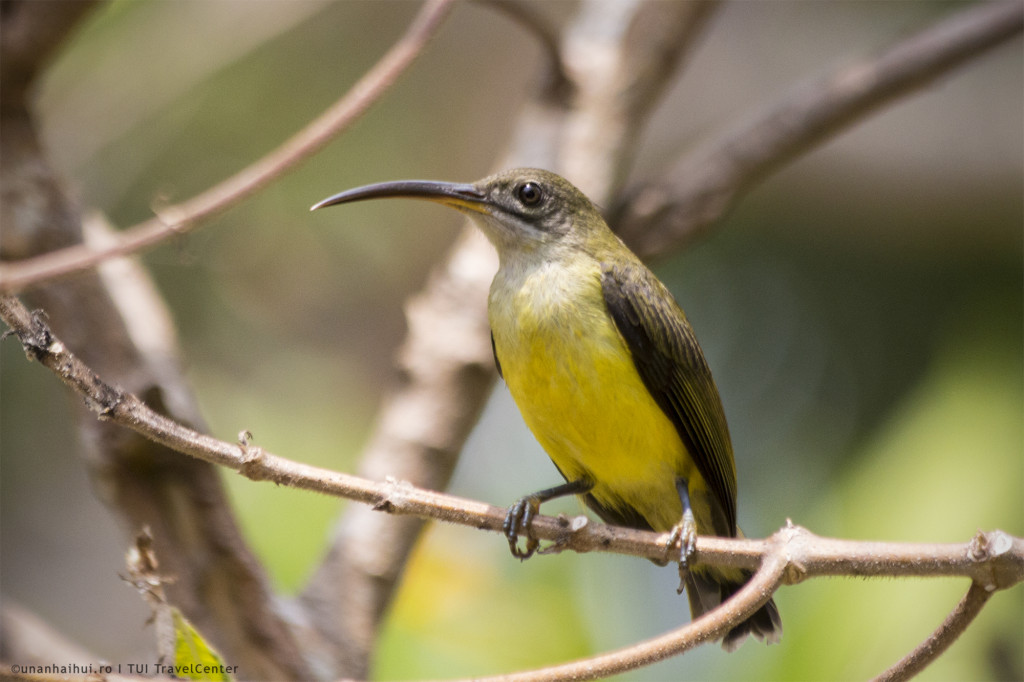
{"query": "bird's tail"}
(706, 592)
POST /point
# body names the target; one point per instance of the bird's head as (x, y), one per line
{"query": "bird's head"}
(522, 211)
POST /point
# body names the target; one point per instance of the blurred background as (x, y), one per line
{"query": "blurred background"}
(861, 311)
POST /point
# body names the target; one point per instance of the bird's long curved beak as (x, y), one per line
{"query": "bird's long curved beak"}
(461, 196)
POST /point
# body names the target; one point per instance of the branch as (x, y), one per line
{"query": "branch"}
(181, 499)
(123, 327)
(186, 216)
(992, 560)
(710, 627)
(144, 575)
(940, 640)
(655, 218)
(446, 363)
(124, 331)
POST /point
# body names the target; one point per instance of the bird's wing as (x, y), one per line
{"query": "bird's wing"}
(672, 366)
(497, 362)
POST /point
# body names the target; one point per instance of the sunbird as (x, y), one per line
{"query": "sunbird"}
(606, 371)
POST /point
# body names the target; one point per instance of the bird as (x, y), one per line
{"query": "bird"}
(606, 372)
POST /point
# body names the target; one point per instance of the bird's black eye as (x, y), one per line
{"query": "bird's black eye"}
(529, 193)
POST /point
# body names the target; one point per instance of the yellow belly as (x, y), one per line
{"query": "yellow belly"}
(573, 379)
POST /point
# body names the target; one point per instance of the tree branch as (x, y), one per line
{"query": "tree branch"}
(710, 627)
(182, 500)
(124, 331)
(656, 217)
(992, 560)
(447, 367)
(187, 215)
(940, 640)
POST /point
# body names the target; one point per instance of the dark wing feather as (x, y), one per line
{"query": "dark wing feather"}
(672, 366)
(497, 363)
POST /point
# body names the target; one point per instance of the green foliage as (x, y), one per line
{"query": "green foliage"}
(194, 658)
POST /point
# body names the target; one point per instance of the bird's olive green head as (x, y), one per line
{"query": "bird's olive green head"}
(520, 210)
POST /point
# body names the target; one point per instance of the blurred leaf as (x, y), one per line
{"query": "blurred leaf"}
(194, 659)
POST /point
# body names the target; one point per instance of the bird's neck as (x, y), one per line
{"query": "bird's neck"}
(532, 293)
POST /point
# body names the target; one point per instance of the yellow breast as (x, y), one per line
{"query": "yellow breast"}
(572, 376)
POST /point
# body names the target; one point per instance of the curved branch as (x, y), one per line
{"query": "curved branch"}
(657, 217)
(708, 628)
(940, 640)
(185, 216)
(994, 560)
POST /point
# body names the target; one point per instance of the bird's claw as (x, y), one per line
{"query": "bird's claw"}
(683, 535)
(519, 516)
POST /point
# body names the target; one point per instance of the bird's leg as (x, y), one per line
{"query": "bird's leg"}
(684, 534)
(522, 512)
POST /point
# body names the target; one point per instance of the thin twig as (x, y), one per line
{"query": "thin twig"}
(657, 217)
(187, 215)
(995, 560)
(940, 640)
(710, 627)
(992, 560)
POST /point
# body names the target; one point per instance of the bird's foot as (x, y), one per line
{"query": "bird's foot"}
(684, 536)
(519, 517)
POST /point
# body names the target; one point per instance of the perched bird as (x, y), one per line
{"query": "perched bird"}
(605, 370)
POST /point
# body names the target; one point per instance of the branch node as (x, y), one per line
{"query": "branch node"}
(577, 523)
(786, 540)
(144, 576)
(172, 217)
(385, 505)
(252, 458)
(796, 572)
(565, 541)
(395, 494)
(995, 549)
(143, 568)
(105, 407)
